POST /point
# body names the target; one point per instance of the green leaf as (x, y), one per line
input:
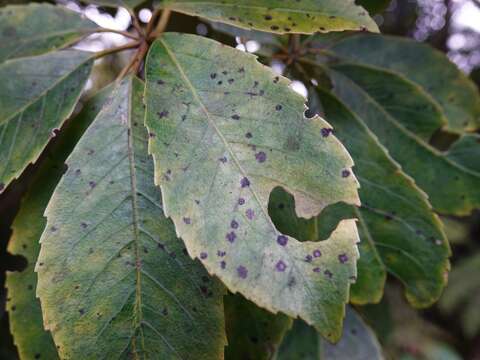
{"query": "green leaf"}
(280, 16)
(253, 333)
(34, 29)
(396, 222)
(404, 117)
(114, 281)
(225, 131)
(426, 68)
(37, 94)
(25, 314)
(358, 342)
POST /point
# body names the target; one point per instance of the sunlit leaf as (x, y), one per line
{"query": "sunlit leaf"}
(114, 281)
(358, 342)
(395, 219)
(34, 29)
(224, 132)
(280, 16)
(37, 94)
(25, 314)
(426, 68)
(404, 117)
(252, 332)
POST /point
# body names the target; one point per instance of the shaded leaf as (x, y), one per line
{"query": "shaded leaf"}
(404, 117)
(396, 223)
(280, 16)
(34, 29)
(37, 94)
(114, 281)
(426, 68)
(374, 6)
(463, 295)
(252, 332)
(358, 342)
(25, 314)
(225, 131)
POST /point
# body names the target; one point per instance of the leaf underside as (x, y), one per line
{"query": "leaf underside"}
(399, 231)
(225, 131)
(34, 29)
(114, 281)
(357, 343)
(25, 314)
(280, 16)
(37, 95)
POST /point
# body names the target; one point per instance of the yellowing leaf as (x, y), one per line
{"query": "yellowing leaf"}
(114, 281)
(280, 16)
(224, 132)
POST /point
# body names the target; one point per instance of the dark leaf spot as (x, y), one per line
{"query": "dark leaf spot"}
(242, 272)
(282, 240)
(280, 266)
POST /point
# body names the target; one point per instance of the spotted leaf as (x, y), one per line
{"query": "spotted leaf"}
(358, 342)
(37, 94)
(280, 16)
(225, 131)
(34, 29)
(114, 281)
(25, 314)
(397, 225)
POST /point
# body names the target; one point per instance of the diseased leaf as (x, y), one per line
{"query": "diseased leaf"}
(466, 152)
(404, 117)
(34, 29)
(224, 132)
(280, 16)
(114, 281)
(396, 223)
(427, 68)
(358, 342)
(25, 314)
(253, 333)
(37, 94)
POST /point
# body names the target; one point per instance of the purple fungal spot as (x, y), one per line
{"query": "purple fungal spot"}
(221, 253)
(308, 258)
(162, 114)
(187, 220)
(213, 75)
(241, 201)
(345, 173)
(230, 81)
(276, 79)
(241, 70)
(280, 266)
(317, 269)
(245, 182)
(328, 273)
(235, 117)
(278, 107)
(250, 214)
(326, 132)
(53, 229)
(223, 264)
(203, 255)
(261, 157)
(78, 172)
(242, 272)
(248, 135)
(83, 225)
(282, 240)
(223, 159)
(152, 135)
(160, 82)
(343, 258)
(234, 224)
(317, 253)
(231, 236)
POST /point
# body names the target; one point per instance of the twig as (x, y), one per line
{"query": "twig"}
(127, 46)
(162, 24)
(135, 61)
(152, 21)
(124, 33)
(135, 22)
